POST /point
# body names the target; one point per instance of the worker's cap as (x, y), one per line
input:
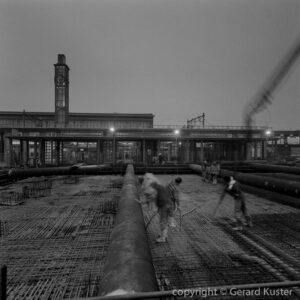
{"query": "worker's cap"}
(227, 178)
(141, 179)
(178, 180)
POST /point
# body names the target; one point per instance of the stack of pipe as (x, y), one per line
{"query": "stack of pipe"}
(288, 189)
(275, 168)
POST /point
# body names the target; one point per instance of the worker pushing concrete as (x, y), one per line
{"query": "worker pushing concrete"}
(233, 188)
(163, 199)
(148, 194)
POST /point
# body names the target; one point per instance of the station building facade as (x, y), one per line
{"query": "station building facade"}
(62, 138)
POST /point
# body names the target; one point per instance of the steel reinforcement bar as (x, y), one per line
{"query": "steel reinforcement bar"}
(129, 267)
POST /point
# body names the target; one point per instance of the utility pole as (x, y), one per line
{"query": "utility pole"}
(198, 121)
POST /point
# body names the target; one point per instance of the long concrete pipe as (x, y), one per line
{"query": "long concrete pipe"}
(273, 196)
(51, 171)
(287, 187)
(129, 268)
(275, 168)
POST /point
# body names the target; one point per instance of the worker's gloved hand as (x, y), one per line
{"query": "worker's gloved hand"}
(152, 207)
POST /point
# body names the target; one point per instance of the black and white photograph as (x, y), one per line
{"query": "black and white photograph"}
(149, 149)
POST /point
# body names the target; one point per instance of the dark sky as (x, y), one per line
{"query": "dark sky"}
(173, 58)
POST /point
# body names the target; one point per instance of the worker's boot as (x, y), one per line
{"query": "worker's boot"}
(163, 237)
(172, 222)
(249, 222)
(238, 226)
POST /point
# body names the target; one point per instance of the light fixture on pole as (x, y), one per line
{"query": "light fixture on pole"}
(268, 134)
(112, 130)
(176, 132)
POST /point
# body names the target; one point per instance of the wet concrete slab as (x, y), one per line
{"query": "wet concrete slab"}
(55, 246)
(205, 251)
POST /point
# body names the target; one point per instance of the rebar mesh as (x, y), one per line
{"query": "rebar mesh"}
(55, 247)
(29, 189)
(205, 252)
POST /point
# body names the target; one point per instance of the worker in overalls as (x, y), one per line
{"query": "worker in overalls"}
(173, 188)
(233, 188)
(165, 207)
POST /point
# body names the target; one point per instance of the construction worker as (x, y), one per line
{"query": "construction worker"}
(233, 188)
(148, 194)
(204, 170)
(165, 207)
(160, 198)
(214, 172)
(174, 193)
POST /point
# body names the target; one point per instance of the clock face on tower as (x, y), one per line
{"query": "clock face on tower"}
(60, 79)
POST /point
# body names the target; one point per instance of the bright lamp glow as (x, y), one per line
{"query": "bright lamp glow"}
(268, 132)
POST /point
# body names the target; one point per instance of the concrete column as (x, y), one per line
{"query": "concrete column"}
(144, 151)
(202, 152)
(42, 152)
(255, 150)
(114, 149)
(99, 152)
(249, 150)
(35, 154)
(23, 149)
(7, 151)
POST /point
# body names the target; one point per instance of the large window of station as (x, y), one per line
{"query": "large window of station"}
(129, 151)
(16, 152)
(167, 151)
(34, 151)
(76, 152)
(216, 151)
(107, 151)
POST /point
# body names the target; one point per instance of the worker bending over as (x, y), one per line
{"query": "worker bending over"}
(161, 198)
(173, 188)
(233, 188)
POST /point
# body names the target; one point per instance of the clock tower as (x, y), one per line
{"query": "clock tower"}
(61, 83)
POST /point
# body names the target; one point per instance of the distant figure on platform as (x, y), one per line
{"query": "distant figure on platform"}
(174, 193)
(205, 170)
(214, 172)
(233, 188)
(160, 159)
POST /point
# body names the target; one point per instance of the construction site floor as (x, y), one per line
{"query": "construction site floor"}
(205, 251)
(54, 244)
